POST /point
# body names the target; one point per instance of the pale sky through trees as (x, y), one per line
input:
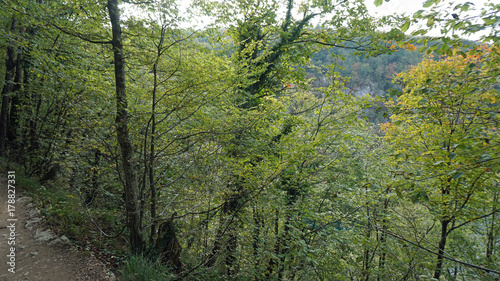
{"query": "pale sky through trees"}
(411, 6)
(394, 6)
(387, 8)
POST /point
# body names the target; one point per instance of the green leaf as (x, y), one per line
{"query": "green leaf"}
(465, 7)
(398, 193)
(484, 158)
(418, 13)
(378, 3)
(457, 175)
(430, 21)
(429, 3)
(405, 26)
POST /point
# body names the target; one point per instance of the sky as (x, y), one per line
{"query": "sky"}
(411, 6)
(394, 6)
(387, 8)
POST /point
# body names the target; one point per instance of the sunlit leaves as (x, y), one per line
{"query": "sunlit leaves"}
(441, 127)
(405, 26)
(429, 3)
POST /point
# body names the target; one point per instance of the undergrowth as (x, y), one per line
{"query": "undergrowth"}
(139, 268)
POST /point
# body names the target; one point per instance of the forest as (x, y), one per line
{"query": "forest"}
(277, 140)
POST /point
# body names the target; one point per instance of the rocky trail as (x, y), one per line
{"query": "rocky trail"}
(29, 251)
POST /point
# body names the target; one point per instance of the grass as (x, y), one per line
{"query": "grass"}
(139, 268)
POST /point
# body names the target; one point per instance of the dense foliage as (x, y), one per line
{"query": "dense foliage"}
(259, 146)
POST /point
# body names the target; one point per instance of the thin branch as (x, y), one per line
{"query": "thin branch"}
(81, 36)
(474, 219)
(138, 2)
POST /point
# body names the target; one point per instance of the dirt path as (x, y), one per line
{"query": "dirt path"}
(37, 260)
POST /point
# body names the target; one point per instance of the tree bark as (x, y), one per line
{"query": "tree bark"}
(491, 233)
(442, 246)
(150, 164)
(15, 102)
(6, 91)
(258, 224)
(152, 186)
(94, 184)
(366, 251)
(132, 202)
(169, 248)
(383, 238)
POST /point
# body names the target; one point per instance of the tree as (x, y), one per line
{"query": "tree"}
(10, 70)
(444, 134)
(131, 188)
(268, 50)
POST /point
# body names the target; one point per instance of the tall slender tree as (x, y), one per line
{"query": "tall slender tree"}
(128, 162)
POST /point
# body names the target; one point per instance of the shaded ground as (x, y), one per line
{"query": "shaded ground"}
(37, 260)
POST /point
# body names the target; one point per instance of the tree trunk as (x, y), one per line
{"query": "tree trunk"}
(169, 248)
(94, 184)
(442, 245)
(366, 251)
(6, 91)
(212, 256)
(132, 202)
(15, 103)
(231, 245)
(152, 152)
(258, 224)
(283, 239)
(491, 233)
(383, 239)
(34, 142)
(272, 265)
(230, 211)
(152, 186)
(227, 229)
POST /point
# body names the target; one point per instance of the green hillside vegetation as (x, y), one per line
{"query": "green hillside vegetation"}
(371, 75)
